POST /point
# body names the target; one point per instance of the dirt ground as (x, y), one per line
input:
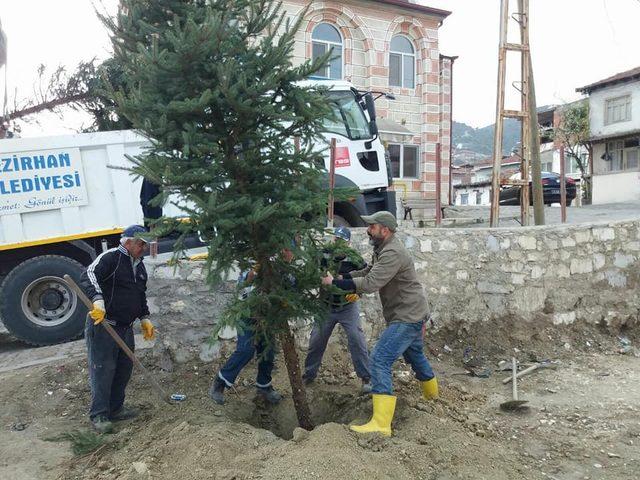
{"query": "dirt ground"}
(584, 420)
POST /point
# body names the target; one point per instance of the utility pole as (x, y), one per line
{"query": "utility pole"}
(534, 135)
(524, 115)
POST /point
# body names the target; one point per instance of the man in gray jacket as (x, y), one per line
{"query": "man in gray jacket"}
(404, 307)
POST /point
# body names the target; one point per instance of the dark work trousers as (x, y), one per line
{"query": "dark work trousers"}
(349, 318)
(407, 212)
(246, 348)
(109, 368)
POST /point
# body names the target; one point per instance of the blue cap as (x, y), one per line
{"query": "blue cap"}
(343, 233)
(132, 231)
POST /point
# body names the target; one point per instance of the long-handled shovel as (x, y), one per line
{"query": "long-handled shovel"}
(161, 393)
(514, 405)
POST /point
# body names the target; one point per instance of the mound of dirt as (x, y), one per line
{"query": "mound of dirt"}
(582, 424)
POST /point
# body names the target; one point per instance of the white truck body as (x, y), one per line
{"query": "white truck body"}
(107, 201)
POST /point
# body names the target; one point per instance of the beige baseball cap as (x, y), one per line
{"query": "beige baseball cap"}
(383, 218)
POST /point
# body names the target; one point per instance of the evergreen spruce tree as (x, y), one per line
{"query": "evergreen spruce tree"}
(212, 85)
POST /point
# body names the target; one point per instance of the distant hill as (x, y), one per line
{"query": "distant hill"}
(480, 140)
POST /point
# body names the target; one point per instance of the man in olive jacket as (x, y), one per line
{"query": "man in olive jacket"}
(404, 307)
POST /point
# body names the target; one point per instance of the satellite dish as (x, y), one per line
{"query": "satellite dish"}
(606, 156)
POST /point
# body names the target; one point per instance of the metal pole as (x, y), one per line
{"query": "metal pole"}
(451, 59)
(563, 187)
(497, 137)
(438, 185)
(332, 180)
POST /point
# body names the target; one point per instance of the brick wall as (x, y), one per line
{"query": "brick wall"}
(367, 29)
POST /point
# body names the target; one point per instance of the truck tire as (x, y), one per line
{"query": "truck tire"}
(339, 221)
(37, 305)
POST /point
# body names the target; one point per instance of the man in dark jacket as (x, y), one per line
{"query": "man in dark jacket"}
(344, 311)
(116, 282)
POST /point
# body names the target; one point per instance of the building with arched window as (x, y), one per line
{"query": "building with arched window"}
(390, 46)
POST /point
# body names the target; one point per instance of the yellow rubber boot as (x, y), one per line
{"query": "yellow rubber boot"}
(383, 408)
(430, 389)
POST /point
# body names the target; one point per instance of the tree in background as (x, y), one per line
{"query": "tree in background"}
(573, 132)
(83, 89)
(212, 85)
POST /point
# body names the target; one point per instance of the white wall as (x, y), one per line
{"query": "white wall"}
(472, 192)
(616, 187)
(597, 101)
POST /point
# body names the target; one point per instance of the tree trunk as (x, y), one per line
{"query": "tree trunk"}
(295, 379)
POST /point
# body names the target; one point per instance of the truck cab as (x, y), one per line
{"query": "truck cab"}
(360, 160)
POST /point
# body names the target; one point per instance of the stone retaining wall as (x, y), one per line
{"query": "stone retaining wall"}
(557, 274)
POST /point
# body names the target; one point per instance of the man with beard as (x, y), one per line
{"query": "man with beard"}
(405, 310)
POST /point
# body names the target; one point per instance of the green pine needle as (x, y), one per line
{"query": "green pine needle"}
(82, 442)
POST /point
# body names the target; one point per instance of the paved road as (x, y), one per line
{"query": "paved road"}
(584, 214)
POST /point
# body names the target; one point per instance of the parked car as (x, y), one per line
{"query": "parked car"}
(510, 194)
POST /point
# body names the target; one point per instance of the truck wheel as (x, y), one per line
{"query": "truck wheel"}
(339, 221)
(36, 303)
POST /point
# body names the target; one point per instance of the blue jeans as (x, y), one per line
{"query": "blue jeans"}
(109, 368)
(399, 338)
(245, 350)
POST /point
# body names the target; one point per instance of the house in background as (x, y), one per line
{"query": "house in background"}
(390, 46)
(614, 118)
(549, 118)
(473, 193)
(475, 189)
(484, 170)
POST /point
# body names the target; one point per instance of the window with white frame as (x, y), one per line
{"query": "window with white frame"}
(547, 166)
(623, 154)
(617, 109)
(325, 38)
(571, 163)
(464, 199)
(546, 161)
(402, 63)
(404, 161)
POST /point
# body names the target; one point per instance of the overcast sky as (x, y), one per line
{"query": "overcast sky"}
(573, 43)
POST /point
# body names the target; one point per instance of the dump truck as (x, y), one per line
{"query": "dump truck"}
(65, 199)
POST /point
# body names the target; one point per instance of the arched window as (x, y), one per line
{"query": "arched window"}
(402, 63)
(325, 37)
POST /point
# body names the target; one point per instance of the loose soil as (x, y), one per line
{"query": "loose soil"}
(583, 422)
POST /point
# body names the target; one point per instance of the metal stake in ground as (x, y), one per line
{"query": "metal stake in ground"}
(514, 405)
(161, 393)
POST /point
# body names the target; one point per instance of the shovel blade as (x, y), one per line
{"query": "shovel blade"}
(514, 405)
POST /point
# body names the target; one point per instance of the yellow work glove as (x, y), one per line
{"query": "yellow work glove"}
(98, 312)
(147, 329)
(352, 297)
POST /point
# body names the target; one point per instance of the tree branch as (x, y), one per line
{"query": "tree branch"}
(49, 105)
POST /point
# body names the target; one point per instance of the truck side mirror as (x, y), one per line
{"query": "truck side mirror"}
(370, 106)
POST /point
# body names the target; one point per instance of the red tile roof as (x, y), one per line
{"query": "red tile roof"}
(417, 7)
(629, 75)
(505, 161)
